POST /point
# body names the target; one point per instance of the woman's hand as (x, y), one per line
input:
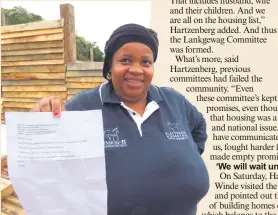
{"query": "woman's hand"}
(50, 104)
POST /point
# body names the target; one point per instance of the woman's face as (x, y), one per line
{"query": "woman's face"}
(132, 71)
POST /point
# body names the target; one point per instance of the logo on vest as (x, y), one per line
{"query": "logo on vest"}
(112, 140)
(175, 131)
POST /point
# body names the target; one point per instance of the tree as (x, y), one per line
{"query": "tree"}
(83, 50)
(19, 15)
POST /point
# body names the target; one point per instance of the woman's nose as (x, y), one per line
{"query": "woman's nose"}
(136, 70)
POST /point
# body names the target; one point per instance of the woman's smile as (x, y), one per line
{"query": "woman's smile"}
(133, 82)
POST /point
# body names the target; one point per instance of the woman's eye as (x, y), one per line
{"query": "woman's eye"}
(147, 62)
(125, 60)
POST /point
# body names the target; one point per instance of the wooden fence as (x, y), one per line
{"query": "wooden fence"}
(33, 64)
(83, 76)
(34, 58)
(39, 60)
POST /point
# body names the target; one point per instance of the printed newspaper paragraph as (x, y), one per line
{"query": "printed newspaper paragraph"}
(221, 57)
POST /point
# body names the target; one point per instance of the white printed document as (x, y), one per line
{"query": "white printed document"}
(57, 165)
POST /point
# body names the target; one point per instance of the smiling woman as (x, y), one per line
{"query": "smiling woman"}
(153, 136)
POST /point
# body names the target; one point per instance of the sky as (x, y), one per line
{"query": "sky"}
(94, 20)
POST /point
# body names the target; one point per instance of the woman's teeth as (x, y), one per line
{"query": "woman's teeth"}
(133, 81)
